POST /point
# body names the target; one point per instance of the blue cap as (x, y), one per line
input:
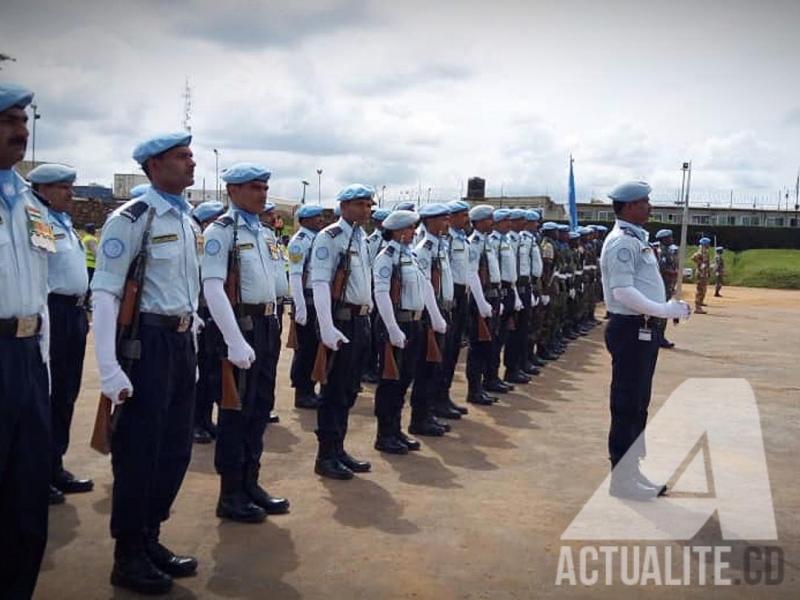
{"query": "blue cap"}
(355, 191)
(244, 171)
(601, 228)
(308, 211)
(704, 241)
(457, 206)
(517, 213)
(13, 95)
(400, 219)
(501, 214)
(550, 226)
(160, 143)
(532, 215)
(574, 235)
(585, 230)
(481, 212)
(405, 206)
(630, 191)
(720, 248)
(268, 207)
(205, 211)
(663, 233)
(52, 173)
(435, 209)
(563, 227)
(379, 214)
(139, 190)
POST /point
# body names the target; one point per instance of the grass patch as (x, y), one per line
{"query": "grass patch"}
(779, 269)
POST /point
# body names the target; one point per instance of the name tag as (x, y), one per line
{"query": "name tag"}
(163, 239)
(248, 246)
(61, 236)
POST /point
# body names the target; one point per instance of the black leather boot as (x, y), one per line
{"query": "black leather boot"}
(165, 559)
(272, 505)
(133, 569)
(234, 504)
(328, 463)
(305, 399)
(355, 465)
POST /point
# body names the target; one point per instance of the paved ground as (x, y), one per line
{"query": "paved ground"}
(478, 514)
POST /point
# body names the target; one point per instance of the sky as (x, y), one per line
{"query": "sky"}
(421, 95)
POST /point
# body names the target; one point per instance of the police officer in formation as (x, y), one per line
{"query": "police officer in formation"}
(210, 346)
(375, 244)
(344, 326)
(26, 242)
(635, 296)
(280, 260)
(152, 439)
(68, 283)
(304, 314)
(251, 332)
(667, 254)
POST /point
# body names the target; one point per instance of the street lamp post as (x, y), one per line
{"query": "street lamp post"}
(36, 117)
(319, 186)
(305, 184)
(685, 184)
(216, 170)
(383, 194)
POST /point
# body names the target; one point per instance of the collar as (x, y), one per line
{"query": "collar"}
(638, 231)
(63, 219)
(458, 233)
(346, 227)
(163, 202)
(250, 220)
(307, 231)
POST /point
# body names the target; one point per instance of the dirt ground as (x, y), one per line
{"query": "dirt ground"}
(476, 514)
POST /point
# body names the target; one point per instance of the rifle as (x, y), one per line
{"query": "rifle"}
(433, 352)
(291, 341)
(390, 369)
(484, 334)
(128, 344)
(233, 389)
(338, 290)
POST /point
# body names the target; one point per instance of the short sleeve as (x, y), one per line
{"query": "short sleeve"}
(382, 272)
(473, 255)
(423, 256)
(115, 254)
(298, 249)
(214, 264)
(323, 257)
(621, 265)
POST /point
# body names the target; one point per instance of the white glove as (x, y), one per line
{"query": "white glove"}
(296, 287)
(44, 336)
(197, 327)
(572, 293)
(533, 299)
(517, 301)
(300, 314)
(545, 299)
(500, 310)
(241, 354)
(332, 337)
(484, 308)
(116, 386)
(677, 309)
(439, 324)
(396, 337)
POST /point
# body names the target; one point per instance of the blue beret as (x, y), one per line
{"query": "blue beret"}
(601, 228)
(160, 143)
(205, 211)
(630, 191)
(139, 190)
(355, 191)
(435, 209)
(663, 233)
(500, 214)
(574, 235)
(405, 206)
(244, 171)
(52, 173)
(532, 215)
(13, 95)
(517, 213)
(720, 248)
(380, 214)
(550, 226)
(400, 219)
(456, 206)
(307, 211)
(704, 241)
(481, 212)
(585, 230)
(563, 227)
(268, 207)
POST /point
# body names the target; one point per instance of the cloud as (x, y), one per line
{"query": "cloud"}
(395, 81)
(792, 118)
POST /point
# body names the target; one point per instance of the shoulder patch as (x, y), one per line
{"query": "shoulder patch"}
(135, 210)
(334, 231)
(624, 255)
(301, 235)
(224, 221)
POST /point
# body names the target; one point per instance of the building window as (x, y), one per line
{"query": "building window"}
(730, 220)
(701, 220)
(584, 215)
(750, 221)
(774, 221)
(657, 217)
(604, 215)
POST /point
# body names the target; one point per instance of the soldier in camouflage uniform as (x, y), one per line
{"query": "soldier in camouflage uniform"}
(702, 266)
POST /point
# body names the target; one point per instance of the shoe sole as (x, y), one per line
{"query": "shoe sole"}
(117, 581)
(253, 520)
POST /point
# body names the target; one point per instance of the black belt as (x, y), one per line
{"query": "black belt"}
(459, 289)
(492, 292)
(524, 280)
(20, 327)
(266, 309)
(405, 316)
(179, 323)
(78, 301)
(349, 311)
(645, 320)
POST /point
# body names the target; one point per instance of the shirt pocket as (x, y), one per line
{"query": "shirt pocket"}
(164, 259)
(6, 254)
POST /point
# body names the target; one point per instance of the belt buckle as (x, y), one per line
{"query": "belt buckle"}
(184, 323)
(27, 326)
(363, 310)
(80, 301)
(269, 309)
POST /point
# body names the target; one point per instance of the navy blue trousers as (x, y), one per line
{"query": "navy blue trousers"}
(25, 460)
(633, 363)
(210, 350)
(390, 393)
(240, 433)
(152, 443)
(306, 351)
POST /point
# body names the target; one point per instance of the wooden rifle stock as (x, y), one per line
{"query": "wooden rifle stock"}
(390, 370)
(320, 371)
(101, 434)
(433, 354)
(231, 399)
(291, 341)
(484, 334)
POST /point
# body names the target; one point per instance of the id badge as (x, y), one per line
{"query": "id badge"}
(645, 334)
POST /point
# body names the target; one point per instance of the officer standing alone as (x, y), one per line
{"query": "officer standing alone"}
(634, 294)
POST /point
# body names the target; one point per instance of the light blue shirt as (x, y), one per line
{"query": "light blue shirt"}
(375, 243)
(280, 263)
(480, 245)
(459, 254)
(67, 272)
(506, 256)
(537, 266)
(628, 260)
(300, 253)
(256, 277)
(23, 268)
(524, 253)
(396, 255)
(172, 271)
(329, 246)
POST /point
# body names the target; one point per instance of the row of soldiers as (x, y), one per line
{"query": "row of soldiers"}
(178, 291)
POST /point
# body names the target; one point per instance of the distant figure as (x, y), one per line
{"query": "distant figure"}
(702, 265)
(89, 241)
(719, 270)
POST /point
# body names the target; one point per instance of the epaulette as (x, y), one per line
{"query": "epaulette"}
(135, 210)
(428, 245)
(301, 235)
(389, 250)
(224, 221)
(334, 231)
